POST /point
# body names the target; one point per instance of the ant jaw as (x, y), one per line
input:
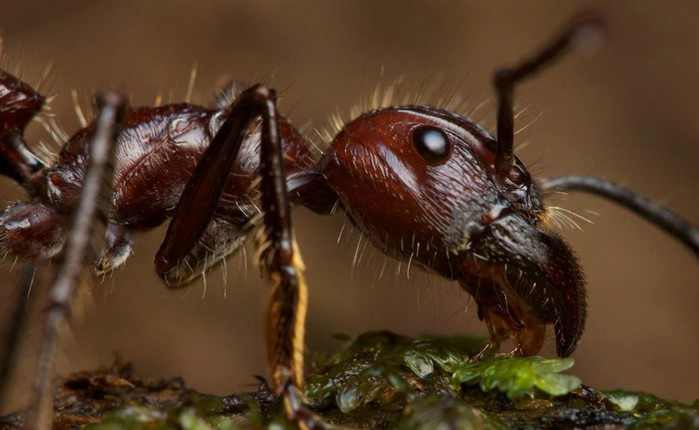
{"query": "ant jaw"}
(523, 278)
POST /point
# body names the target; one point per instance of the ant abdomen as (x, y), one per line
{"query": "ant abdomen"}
(18, 104)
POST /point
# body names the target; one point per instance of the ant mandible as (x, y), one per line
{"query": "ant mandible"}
(422, 183)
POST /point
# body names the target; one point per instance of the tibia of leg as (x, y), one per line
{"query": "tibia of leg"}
(285, 326)
(31, 231)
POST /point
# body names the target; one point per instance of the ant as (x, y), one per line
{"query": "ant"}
(424, 184)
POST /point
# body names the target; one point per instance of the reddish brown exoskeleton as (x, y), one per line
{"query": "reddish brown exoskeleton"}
(423, 183)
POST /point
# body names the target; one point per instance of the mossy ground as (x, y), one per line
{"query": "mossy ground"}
(382, 380)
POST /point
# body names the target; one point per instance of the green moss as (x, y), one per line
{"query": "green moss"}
(196, 414)
(385, 369)
(651, 412)
(381, 380)
(433, 412)
(518, 376)
(388, 370)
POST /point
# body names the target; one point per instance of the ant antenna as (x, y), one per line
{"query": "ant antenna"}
(652, 212)
(584, 32)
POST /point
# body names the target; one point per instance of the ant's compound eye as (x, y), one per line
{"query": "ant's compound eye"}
(431, 143)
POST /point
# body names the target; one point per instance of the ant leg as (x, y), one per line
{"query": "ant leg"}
(582, 32)
(203, 191)
(652, 212)
(280, 257)
(118, 243)
(112, 107)
(14, 332)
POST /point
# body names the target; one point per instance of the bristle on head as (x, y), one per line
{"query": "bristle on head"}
(563, 218)
(433, 91)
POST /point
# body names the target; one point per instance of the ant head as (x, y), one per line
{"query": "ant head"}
(423, 185)
(421, 180)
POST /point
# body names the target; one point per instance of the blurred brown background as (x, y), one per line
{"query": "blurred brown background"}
(629, 113)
